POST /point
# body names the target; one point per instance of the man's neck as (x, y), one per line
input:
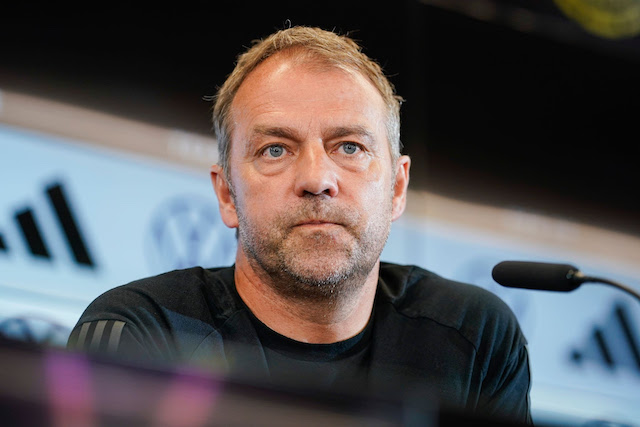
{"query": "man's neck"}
(331, 320)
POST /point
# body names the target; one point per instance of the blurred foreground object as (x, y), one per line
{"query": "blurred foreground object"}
(54, 387)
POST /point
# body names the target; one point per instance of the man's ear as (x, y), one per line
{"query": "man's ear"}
(400, 188)
(226, 203)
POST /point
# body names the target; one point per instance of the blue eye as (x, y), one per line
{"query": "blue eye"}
(275, 151)
(349, 147)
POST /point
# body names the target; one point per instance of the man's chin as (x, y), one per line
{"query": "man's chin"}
(318, 275)
(323, 268)
(319, 237)
(315, 286)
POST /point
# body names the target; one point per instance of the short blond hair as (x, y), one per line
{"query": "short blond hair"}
(318, 45)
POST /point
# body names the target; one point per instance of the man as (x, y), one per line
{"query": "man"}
(311, 176)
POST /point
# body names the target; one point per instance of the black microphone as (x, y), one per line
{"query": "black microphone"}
(537, 275)
(546, 277)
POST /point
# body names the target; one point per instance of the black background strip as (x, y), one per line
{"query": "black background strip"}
(69, 225)
(31, 233)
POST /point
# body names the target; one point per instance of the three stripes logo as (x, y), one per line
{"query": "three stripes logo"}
(32, 233)
(613, 343)
(101, 336)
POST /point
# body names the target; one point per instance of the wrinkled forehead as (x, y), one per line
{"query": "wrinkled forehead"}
(280, 87)
(303, 58)
(266, 79)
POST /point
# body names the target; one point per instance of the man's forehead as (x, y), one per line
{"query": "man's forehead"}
(278, 80)
(278, 99)
(292, 61)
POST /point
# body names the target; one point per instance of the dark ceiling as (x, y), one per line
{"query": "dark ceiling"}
(507, 102)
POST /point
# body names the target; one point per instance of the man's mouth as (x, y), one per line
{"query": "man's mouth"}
(317, 223)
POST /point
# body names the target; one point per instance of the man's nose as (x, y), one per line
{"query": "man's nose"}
(315, 173)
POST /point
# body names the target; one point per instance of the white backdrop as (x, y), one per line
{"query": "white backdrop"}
(137, 216)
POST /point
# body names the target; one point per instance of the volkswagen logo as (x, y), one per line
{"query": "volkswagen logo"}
(187, 231)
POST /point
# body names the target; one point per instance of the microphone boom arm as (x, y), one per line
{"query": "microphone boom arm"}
(584, 279)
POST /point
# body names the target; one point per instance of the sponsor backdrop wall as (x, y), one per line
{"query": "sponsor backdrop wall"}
(79, 217)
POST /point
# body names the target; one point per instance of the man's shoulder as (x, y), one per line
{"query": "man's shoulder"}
(470, 309)
(164, 317)
(410, 285)
(191, 289)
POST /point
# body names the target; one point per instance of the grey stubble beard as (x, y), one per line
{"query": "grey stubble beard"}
(288, 265)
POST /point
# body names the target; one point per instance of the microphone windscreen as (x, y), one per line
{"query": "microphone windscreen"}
(536, 275)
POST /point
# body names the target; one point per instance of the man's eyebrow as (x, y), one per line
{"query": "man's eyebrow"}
(275, 131)
(344, 131)
(329, 134)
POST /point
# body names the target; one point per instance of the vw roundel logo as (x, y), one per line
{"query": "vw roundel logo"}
(34, 330)
(187, 231)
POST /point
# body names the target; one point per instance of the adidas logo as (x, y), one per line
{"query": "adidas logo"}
(34, 238)
(614, 343)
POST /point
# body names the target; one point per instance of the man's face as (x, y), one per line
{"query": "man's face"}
(312, 176)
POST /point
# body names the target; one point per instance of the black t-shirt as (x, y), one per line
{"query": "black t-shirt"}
(459, 341)
(322, 366)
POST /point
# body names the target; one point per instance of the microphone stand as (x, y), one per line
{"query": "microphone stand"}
(581, 278)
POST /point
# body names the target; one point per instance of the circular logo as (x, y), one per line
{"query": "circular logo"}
(613, 19)
(187, 231)
(34, 330)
